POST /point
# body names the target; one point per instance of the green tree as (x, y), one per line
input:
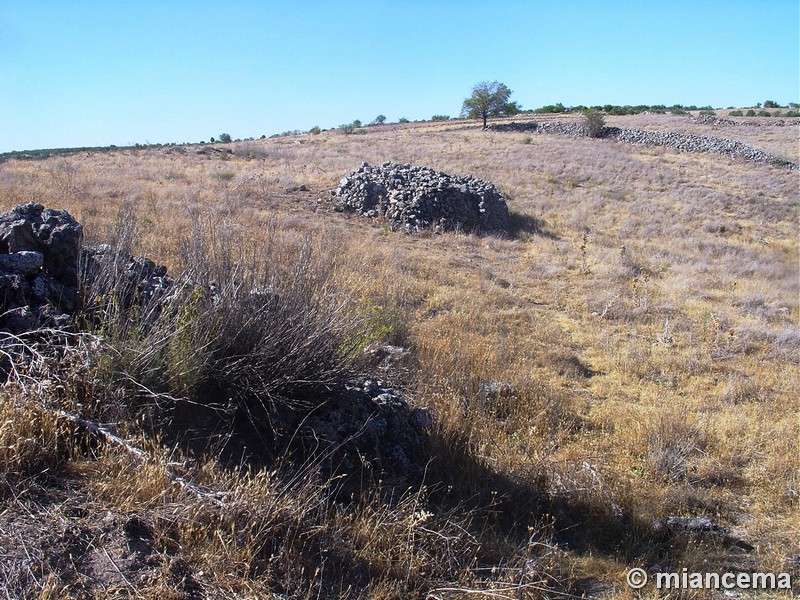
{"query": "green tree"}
(379, 120)
(225, 138)
(595, 122)
(489, 100)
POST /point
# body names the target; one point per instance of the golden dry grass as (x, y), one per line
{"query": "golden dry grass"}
(645, 316)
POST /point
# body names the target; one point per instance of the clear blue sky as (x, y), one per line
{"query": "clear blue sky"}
(86, 73)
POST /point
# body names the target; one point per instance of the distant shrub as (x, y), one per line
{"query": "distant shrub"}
(735, 113)
(440, 118)
(763, 113)
(707, 112)
(595, 123)
(403, 120)
(360, 132)
(678, 111)
(315, 130)
(792, 113)
(771, 104)
(347, 128)
(527, 139)
(551, 108)
(225, 138)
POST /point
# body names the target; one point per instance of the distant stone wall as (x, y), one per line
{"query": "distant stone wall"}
(412, 198)
(678, 141)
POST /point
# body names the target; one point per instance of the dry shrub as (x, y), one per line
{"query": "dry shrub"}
(674, 440)
(250, 328)
(32, 440)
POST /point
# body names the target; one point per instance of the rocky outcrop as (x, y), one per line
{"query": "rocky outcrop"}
(677, 141)
(413, 198)
(39, 276)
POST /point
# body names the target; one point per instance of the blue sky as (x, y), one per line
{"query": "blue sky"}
(83, 73)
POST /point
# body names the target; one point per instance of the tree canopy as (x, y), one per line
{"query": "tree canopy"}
(489, 100)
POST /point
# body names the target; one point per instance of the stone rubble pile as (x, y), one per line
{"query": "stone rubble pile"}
(39, 279)
(677, 141)
(412, 198)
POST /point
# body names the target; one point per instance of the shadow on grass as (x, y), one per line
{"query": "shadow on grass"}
(520, 223)
(516, 506)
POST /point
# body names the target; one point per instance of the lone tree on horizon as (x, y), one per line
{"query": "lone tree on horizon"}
(489, 100)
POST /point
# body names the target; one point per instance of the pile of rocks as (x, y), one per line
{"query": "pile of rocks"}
(369, 422)
(131, 279)
(412, 198)
(677, 141)
(39, 279)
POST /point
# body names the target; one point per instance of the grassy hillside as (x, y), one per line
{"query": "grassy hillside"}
(642, 320)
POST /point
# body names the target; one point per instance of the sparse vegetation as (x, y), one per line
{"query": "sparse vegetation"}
(630, 353)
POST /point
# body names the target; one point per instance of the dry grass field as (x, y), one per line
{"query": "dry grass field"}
(645, 315)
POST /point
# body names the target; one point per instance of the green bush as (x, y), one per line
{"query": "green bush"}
(707, 112)
(440, 118)
(595, 123)
(735, 113)
(763, 113)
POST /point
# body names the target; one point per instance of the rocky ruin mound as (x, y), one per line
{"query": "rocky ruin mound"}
(39, 251)
(412, 198)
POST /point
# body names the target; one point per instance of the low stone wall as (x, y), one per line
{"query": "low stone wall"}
(677, 141)
(412, 198)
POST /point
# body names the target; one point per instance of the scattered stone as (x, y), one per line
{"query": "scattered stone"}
(413, 198)
(692, 524)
